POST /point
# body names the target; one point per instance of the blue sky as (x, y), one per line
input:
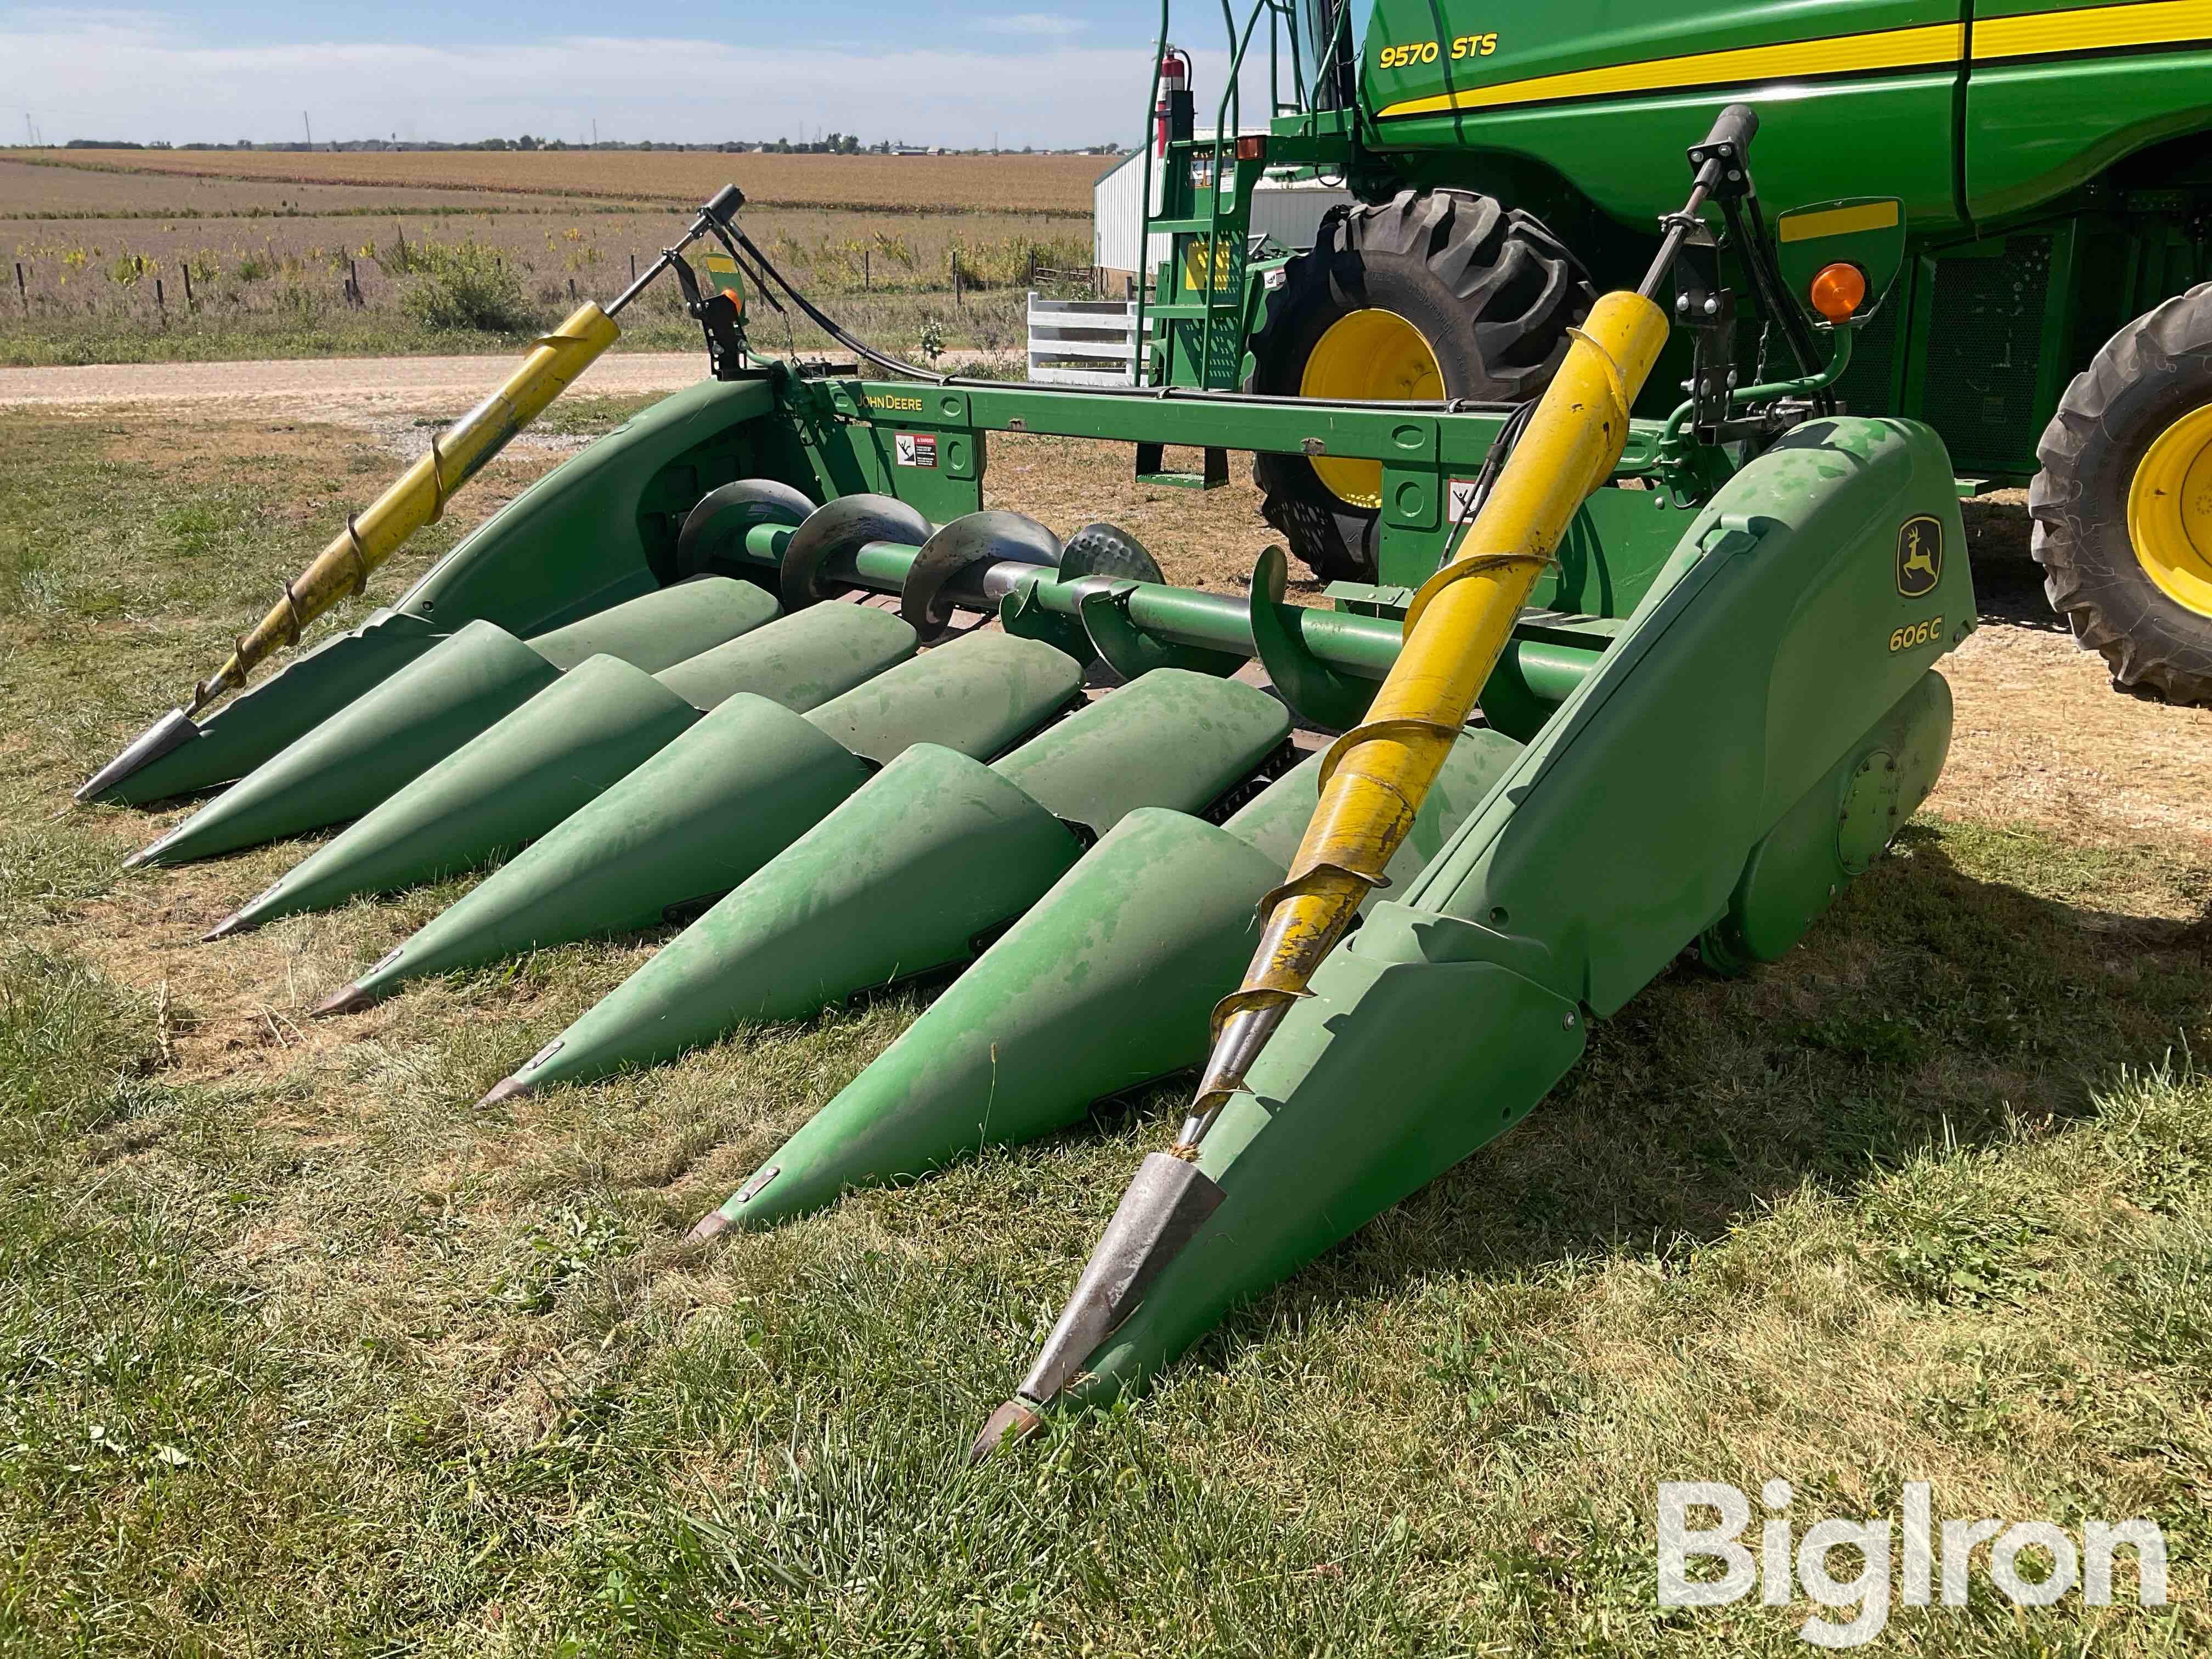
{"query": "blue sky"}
(1042, 72)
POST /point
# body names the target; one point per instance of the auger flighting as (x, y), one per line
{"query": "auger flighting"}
(1374, 777)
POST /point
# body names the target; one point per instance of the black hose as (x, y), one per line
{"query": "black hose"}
(1493, 463)
(859, 347)
(1774, 297)
(829, 326)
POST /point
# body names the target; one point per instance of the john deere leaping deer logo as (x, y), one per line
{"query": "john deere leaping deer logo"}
(1919, 555)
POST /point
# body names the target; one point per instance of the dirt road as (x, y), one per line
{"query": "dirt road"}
(351, 379)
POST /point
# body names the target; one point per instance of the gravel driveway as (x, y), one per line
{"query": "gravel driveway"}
(348, 379)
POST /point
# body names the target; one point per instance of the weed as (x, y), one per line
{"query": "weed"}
(465, 285)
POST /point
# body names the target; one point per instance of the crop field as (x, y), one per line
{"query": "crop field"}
(1057, 184)
(110, 266)
(301, 1350)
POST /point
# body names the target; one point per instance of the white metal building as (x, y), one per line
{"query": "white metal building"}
(1288, 210)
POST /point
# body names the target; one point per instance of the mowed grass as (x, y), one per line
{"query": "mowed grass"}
(300, 1354)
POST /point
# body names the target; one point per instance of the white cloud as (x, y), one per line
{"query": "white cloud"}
(142, 77)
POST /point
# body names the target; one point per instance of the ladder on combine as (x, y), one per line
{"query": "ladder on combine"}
(1196, 299)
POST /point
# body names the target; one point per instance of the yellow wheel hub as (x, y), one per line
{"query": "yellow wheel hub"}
(2170, 512)
(1373, 356)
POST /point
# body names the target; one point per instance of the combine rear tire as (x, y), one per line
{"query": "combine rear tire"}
(2123, 507)
(1443, 294)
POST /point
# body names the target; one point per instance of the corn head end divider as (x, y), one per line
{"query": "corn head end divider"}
(1627, 684)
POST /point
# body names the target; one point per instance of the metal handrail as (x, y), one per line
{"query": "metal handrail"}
(1142, 368)
(1228, 119)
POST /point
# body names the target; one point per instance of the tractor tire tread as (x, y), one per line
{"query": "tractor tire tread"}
(2152, 646)
(1511, 288)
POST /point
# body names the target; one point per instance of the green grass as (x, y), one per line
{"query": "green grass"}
(299, 1353)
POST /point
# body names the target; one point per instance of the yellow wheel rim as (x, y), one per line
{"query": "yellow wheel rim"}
(2170, 512)
(1375, 356)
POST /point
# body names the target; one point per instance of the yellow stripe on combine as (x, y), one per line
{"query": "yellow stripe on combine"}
(1835, 222)
(2093, 28)
(2084, 29)
(1936, 43)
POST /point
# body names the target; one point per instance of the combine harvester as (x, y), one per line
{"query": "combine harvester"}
(1622, 686)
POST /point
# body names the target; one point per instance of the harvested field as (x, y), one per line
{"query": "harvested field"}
(1056, 185)
(268, 268)
(32, 190)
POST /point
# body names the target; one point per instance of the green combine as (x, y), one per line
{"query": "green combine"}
(2052, 166)
(1612, 672)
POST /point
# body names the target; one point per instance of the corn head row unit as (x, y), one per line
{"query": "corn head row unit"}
(1622, 687)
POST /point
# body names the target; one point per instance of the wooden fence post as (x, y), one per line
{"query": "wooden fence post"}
(22, 291)
(161, 303)
(190, 304)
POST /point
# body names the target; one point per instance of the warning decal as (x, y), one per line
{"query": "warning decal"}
(915, 448)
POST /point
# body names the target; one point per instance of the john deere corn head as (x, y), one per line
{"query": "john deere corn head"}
(763, 659)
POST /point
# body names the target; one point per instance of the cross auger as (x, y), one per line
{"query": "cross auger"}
(763, 662)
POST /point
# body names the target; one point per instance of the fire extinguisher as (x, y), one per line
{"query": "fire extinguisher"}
(1174, 115)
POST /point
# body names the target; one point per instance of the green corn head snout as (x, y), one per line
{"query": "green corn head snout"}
(1106, 985)
(462, 687)
(562, 748)
(729, 794)
(905, 878)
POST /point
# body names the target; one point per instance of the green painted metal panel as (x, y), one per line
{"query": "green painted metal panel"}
(898, 881)
(1836, 830)
(693, 822)
(574, 542)
(659, 629)
(800, 660)
(1762, 655)
(1170, 738)
(1609, 98)
(977, 695)
(369, 749)
(2050, 103)
(1302, 1169)
(502, 788)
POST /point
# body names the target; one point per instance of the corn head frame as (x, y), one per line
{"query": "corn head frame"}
(763, 657)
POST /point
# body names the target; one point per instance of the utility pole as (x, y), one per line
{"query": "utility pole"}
(595, 132)
(310, 127)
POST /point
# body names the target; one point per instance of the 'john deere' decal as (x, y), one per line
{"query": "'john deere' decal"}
(1919, 555)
